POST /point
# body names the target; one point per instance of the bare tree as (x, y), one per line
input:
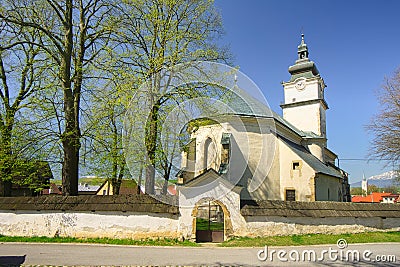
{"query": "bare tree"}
(385, 126)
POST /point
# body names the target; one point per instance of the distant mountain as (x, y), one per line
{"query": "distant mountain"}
(380, 180)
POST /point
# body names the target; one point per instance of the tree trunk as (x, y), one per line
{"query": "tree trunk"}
(139, 191)
(151, 144)
(165, 186)
(116, 178)
(116, 185)
(70, 169)
(150, 179)
(70, 138)
(6, 179)
(167, 174)
(117, 181)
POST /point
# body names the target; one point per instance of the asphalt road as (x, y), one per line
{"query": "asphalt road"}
(111, 255)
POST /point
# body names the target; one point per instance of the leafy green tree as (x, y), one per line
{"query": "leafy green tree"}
(21, 69)
(372, 189)
(72, 33)
(158, 34)
(356, 191)
(103, 151)
(391, 189)
(85, 48)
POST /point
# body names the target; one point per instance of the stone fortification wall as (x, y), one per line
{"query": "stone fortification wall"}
(136, 217)
(141, 217)
(123, 203)
(267, 218)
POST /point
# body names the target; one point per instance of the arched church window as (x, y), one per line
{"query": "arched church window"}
(209, 152)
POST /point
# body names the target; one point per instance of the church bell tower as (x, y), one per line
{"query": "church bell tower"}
(305, 105)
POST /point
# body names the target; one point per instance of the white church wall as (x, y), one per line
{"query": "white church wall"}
(214, 134)
(255, 157)
(311, 91)
(270, 187)
(327, 188)
(110, 224)
(253, 160)
(299, 179)
(322, 121)
(269, 218)
(305, 118)
(317, 150)
(277, 225)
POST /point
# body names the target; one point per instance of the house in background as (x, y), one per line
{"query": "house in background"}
(392, 198)
(53, 189)
(38, 175)
(376, 197)
(127, 187)
(172, 190)
(83, 189)
(87, 189)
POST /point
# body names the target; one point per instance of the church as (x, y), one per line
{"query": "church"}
(264, 156)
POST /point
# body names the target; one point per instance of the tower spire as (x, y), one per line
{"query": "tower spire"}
(303, 66)
(302, 49)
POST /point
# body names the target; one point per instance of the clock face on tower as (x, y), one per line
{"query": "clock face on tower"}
(300, 84)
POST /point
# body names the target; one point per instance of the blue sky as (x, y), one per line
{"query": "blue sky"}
(354, 43)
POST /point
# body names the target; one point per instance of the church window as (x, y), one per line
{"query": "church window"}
(225, 154)
(295, 168)
(296, 165)
(290, 195)
(206, 156)
(225, 141)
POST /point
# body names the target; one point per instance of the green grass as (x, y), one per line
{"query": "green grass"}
(92, 181)
(293, 240)
(202, 224)
(312, 239)
(146, 242)
(89, 181)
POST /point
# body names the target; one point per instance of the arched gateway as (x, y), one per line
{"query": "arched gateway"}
(211, 221)
(208, 208)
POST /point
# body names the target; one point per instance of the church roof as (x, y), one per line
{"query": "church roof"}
(239, 102)
(317, 165)
(243, 104)
(208, 180)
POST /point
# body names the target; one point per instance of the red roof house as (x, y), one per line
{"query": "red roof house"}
(374, 198)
